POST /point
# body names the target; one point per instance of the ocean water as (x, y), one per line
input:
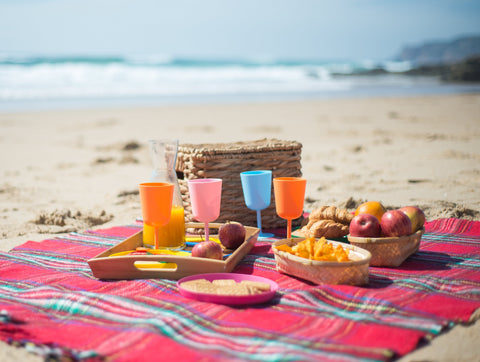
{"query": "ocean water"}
(31, 82)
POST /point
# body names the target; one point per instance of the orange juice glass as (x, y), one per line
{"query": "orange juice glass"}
(156, 201)
(170, 236)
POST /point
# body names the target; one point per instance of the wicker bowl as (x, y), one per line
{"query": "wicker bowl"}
(391, 251)
(354, 272)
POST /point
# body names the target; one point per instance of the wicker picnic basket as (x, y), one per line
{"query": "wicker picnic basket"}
(227, 161)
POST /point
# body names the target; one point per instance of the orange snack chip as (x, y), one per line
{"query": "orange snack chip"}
(285, 247)
(320, 249)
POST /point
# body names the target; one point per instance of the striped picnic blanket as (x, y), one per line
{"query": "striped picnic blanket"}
(51, 303)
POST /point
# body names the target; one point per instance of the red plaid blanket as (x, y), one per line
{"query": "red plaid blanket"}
(50, 300)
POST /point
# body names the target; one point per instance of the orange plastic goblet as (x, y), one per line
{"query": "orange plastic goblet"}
(289, 198)
(156, 199)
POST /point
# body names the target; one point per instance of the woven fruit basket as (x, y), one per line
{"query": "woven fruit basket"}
(227, 161)
(391, 251)
(354, 272)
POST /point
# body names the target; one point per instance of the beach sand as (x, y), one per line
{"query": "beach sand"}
(63, 171)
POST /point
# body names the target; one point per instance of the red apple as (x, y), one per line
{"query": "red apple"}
(208, 249)
(396, 223)
(416, 216)
(365, 225)
(231, 234)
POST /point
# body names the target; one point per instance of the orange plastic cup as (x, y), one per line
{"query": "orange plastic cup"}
(289, 198)
(156, 200)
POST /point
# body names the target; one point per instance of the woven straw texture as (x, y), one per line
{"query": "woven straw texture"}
(227, 161)
(389, 252)
(324, 272)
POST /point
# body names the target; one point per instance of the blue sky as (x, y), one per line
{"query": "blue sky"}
(336, 29)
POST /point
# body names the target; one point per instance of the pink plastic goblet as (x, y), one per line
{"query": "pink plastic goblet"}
(205, 197)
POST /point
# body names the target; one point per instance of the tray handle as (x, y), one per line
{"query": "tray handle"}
(123, 267)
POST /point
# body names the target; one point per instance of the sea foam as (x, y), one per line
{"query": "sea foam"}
(26, 79)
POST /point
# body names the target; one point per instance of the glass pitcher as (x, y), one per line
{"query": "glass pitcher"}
(164, 157)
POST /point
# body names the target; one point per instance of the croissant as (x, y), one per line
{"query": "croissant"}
(326, 228)
(331, 213)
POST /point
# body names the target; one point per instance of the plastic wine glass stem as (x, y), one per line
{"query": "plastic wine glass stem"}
(259, 221)
(156, 237)
(289, 228)
(207, 232)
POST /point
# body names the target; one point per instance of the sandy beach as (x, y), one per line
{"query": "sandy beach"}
(71, 170)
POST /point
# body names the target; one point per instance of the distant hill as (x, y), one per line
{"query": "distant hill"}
(441, 52)
(467, 70)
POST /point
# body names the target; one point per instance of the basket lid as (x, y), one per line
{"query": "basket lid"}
(240, 147)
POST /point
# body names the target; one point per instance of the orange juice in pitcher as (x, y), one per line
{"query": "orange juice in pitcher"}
(172, 235)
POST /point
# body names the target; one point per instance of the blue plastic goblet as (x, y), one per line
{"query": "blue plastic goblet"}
(257, 191)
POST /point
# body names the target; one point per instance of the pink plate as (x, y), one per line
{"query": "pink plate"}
(229, 299)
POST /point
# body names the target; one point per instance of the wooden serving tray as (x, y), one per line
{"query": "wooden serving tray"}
(123, 267)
